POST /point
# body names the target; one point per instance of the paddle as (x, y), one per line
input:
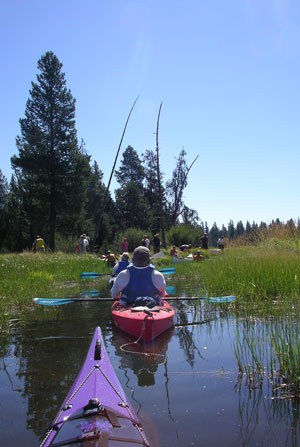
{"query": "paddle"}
(88, 293)
(93, 274)
(62, 301)
(166, 271)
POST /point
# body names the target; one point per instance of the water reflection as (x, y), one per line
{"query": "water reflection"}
(142, 359)
(187, 382)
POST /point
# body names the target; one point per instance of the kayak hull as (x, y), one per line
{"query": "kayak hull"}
(96, 410)
(142, 322)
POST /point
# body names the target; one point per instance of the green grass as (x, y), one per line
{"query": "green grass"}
(24, 276)
(253, 274)
(264, 278)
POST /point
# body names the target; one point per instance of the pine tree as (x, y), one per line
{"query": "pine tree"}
(231, 230)
(151, 189)
(240, 229)
(175, 189)
(214, 233)
(96, 194)
(52, 167)
(3, 201)
(131, 169)
(131, 204)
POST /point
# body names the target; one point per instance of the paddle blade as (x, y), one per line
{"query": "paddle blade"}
(52, 301)
(221, 299)
(171, 290)
(89, 275)
(168, 270)
(88, 293)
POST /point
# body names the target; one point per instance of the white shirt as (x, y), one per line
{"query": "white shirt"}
(123, 278)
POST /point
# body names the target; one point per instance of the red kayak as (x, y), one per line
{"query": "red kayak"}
(143, 322)
(96, 412)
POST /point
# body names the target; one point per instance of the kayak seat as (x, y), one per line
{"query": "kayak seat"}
(144, 309)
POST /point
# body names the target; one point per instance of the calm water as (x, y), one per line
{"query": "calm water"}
(186, 390)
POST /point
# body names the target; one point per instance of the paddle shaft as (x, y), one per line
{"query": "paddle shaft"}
(166, 271)
(71, 300)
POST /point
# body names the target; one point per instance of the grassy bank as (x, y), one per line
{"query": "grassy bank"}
(256, 274)
(265, 279)
(24, 276)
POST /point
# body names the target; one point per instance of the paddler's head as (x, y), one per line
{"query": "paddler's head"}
(125, 256)
(141, 256)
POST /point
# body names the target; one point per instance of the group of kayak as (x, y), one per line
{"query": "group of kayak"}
(96, 412)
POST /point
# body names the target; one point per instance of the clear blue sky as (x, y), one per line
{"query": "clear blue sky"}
(227, 72)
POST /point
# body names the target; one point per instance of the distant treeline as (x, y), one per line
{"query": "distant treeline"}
(57, 192)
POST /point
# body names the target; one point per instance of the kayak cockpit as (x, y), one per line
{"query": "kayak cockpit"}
(96, 425)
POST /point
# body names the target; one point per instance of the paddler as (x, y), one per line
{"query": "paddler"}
(121, 265)
(39, 244)
(110, 259)
(140, 283)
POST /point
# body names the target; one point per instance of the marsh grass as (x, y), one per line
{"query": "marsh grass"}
(24, 276)
(269, 350)
(253, 274)
(285, 339)
(265, 279)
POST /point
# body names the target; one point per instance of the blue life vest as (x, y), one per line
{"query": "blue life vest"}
(140, 283)
(122, 265)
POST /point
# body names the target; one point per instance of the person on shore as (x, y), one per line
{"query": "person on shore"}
(110, 259)
(39, 245)
(173, 251)
(221, 243)
(204, 241)
(140, 283)
(147, 241)
(125, 245)
(84, 244)
(185, 247)
(198, 256)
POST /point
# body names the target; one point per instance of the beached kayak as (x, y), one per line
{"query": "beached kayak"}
(143, 322)
(95, 412)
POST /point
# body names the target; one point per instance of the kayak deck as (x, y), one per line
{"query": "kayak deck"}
(95, 412)
(143, 322)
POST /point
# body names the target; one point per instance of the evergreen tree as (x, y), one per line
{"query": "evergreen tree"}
(214, 233)
(151, 189)
(175, 188)
(131, 204)
(224, 231)
(240, 229)
(248, 228)
(190, 216)
(96, 191)
(231, 230)
(262, 225)
(51, 166)
(96, 194)
(17, 231)
(3, 201)
(131, 169)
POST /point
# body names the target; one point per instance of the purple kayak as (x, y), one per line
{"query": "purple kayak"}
(95, 412)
